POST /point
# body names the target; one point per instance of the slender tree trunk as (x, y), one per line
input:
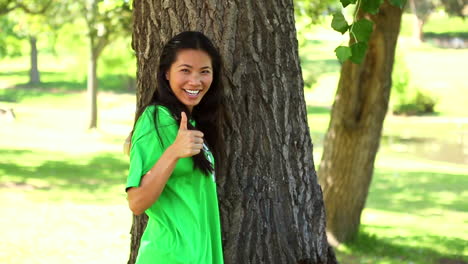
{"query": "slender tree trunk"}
(271, 205)
(353, 136)
(418, 23)
(92, 85)
(34, 77)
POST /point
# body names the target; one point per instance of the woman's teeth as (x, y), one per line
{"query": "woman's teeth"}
(192, 92)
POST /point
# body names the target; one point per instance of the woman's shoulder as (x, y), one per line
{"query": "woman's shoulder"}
(146, 125)
(164, 115)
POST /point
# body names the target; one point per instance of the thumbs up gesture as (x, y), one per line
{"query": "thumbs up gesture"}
(188, 142)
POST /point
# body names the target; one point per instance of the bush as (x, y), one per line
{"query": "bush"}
(406, 98)
(421, 103)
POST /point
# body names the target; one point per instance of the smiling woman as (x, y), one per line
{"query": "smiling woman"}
(190, 76)
(171, 175)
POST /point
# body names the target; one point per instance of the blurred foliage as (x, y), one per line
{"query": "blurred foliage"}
(9, 39)
(28, 6)
(406, 98)
(400, 79)
(422, 103)
(455, 7)
(315, 9)
(105, 21)
(22, 24)
(424, 8)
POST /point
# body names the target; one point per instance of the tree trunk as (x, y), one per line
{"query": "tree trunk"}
(353, 136)
(34, 77)
(271, 205)
(92, 85)
(418, 23)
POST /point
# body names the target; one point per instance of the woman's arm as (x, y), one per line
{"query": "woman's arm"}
(186, 144)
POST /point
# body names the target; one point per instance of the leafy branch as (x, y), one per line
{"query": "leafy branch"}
(360, 30)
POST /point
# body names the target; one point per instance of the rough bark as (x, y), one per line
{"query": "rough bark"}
(271, 204)
(34, 77)
(353, 136)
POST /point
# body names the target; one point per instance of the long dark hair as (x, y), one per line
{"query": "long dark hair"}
(206, 114)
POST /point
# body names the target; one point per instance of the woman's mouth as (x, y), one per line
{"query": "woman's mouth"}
(192, 93)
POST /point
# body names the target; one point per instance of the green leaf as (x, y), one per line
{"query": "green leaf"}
(362, 29)
(345, 3)
(399, 3)
(339, 23)
(343, 53)
(371, 6)
(358, 52)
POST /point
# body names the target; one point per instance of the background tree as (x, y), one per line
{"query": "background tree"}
(271, 205)
(422, 10)
(357, 116)
(105, 21)
(31, 18)
(35, 27)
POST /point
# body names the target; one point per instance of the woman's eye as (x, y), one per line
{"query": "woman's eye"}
(205, 72)
(184, 70)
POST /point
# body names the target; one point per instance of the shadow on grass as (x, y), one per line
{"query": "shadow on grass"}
(314, 110)
(399, 248)
(102, 171)
(321, 66)
(436, 149)
(13, 73)
(16, 95)
(57, 82)
(462, 35)
(413, 192)
(313, 69)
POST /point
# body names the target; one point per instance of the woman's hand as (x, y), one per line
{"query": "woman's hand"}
(188, 142)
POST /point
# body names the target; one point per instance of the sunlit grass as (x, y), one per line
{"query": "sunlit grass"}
(61, 232)
(61, 186)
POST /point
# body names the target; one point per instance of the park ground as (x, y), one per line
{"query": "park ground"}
(62, 186)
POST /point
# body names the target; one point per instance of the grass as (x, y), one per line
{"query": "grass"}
(61, 185)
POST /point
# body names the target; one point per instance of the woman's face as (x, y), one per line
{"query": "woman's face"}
(190, 76)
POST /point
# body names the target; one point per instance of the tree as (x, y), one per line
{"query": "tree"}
(357, 116)
(105, 21)
(31, 12)
(271, 205)
(422, 10)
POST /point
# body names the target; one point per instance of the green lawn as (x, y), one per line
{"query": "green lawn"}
(61, 186)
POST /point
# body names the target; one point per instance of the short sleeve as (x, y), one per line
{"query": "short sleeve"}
(136, 169)
(147, 148)
(145, 144)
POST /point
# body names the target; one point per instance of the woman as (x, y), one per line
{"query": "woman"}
(171, 175)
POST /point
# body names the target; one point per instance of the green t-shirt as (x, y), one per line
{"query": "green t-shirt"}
(183, 225)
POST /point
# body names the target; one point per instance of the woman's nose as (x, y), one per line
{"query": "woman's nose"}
(195, 79)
